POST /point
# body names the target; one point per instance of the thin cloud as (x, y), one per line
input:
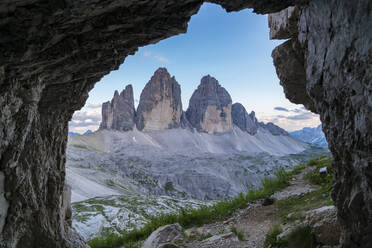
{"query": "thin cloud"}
(85, 119)
(281, 109)
(304, 116)
(93, 105)
(161, 59)
(146, 53)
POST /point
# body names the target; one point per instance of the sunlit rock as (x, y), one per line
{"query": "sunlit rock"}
(119, 114)
(160, 105)
(210, 107)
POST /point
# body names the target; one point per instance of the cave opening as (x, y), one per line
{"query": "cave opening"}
(232, 47)
(53, 52)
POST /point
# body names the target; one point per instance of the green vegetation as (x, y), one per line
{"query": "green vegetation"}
(321, 179)
(238, 233)
(270, 239)
(197, 217)
(293, 208)
(299, 237)
(169, 186)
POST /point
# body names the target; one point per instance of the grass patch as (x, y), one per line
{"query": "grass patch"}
(238, 233)
(315, 177)
(197, 217)
(294, 208)
(299, 237)
(270, 239)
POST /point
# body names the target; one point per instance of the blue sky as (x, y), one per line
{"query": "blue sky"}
(232, 47)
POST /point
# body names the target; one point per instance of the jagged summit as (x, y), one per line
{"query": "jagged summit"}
(210, 109)
(119, 114)
(160, 105)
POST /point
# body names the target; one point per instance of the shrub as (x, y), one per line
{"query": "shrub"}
(238, 233)
(299, 237)
(270, 239)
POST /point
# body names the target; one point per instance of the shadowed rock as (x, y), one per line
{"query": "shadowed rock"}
(119, 114)
(210, 107)
(246, 122)
(160, 105)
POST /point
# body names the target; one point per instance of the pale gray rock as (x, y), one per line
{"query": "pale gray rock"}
(66, 210)
(164, 235)
(210, 107)
(324, 225)
(243, 120)
(283, 24)
(160, 105)
(119, 114)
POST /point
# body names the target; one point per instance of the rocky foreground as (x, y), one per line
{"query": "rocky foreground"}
(300, 215)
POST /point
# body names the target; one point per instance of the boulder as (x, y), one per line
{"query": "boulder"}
(164, 237)
(119, 114)
(324, 225)
(210, 107)
(243, 120)
(160, 105)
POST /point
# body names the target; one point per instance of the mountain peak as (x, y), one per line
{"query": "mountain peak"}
(160, 105)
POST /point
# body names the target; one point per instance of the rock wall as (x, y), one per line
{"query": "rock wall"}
(210, 107)
(53, 52)
(160, 105)
(333, 46)
(119, 114)
(243, 120)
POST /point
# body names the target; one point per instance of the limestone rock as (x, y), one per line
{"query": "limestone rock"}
(283, 24)
(210, 107)
(160, 105)
(119, 114)
(289, 63)
(164, 235)
(66, 210)
(323, 223)
(246, 122)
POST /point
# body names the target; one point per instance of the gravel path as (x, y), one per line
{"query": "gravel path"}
(254, 221)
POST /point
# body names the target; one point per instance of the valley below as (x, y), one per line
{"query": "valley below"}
(120, 179)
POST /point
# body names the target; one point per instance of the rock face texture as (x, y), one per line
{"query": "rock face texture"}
(324, 225)
(246, 122)
(164, 237)
(160, 105)
(53, 52)
(210, 107)
(336, 81)
(119, 114)
(283, 24)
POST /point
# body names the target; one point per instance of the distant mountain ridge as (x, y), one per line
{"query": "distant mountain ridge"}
(210, 110)
(72, 134)
(314, 136)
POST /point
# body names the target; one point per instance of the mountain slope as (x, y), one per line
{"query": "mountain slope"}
(314, 136)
